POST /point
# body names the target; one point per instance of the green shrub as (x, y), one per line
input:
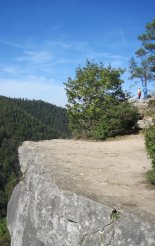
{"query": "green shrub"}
(4, 233)
(118, 120)
(150, 143)
(150, 175)
(3, 226)
(150, 146)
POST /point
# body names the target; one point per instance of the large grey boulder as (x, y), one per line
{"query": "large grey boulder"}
(140, 104)
(48, 209)
(144, 107)
(145, 123)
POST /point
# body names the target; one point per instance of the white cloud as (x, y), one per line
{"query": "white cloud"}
(108, 58)
(28, 43)
(35, 57)
(11, 43)
(69, 45)
(56, 59)
(122, 37)
(8, 69)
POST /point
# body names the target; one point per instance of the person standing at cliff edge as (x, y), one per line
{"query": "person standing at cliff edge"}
(139, 93)
(145, 92)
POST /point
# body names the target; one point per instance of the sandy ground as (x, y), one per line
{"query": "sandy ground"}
(111, 172)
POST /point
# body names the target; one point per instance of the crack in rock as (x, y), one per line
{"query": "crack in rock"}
(99, 231)
(70, 220)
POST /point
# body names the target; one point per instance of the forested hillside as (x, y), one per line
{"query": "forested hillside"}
(49, 114)
(22, 120)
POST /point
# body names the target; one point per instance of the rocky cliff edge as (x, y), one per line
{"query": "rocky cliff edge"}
(83, 193)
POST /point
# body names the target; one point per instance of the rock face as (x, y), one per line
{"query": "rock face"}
(144, 106)
(140, 104)
(145, 123)
(47, 210)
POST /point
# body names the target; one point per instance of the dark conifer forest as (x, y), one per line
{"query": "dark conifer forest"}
(21, 120)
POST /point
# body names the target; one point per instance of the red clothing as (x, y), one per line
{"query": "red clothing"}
(139, 93)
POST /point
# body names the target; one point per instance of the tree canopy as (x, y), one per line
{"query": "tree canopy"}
(94, 97)
(143, 66)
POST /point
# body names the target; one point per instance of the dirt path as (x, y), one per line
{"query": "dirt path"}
(111, 172)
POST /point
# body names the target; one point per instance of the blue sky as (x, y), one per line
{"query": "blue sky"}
(42, 42)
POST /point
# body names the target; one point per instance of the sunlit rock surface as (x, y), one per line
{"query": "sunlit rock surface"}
(62, 201)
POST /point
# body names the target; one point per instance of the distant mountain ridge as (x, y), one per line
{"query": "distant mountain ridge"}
(51, 115)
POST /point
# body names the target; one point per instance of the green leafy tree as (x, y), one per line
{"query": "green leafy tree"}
(92, 95)
(143, 67)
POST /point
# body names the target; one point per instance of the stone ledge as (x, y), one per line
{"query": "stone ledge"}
(66, 196)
